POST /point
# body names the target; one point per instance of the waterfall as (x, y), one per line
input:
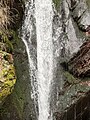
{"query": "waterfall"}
(43, 14)
(27, 35)
(40, 58)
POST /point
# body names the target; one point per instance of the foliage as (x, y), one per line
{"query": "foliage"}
(5, 17)
(70, 78)
(10, 13)
(7, 75)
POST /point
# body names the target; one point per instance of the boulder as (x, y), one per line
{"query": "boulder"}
(7, 75)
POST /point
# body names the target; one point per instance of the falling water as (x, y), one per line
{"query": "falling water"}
(40, 58)
(27, 35)
(43, 10)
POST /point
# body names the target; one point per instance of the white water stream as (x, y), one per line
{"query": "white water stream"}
(43, 10)
(41, 72)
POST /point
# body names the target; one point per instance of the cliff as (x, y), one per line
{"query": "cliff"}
(70, 19)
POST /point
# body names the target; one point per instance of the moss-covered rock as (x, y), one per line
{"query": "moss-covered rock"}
(19, 105)
(7, 75)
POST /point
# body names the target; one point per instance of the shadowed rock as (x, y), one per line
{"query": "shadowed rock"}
(79, 65)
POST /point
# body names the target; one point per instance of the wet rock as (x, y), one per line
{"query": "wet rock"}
(79, 65)
(77, 111)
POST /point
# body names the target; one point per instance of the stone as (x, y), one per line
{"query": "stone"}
(7, 76)
(79, 65)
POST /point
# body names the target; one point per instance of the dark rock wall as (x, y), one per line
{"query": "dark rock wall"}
(80, 110)
(69, 23)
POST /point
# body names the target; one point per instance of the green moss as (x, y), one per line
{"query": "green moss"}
(57, 3)
(17, 95)
(7, 75)
(88, 4)
(70, 78)
(10, 83)
(18, 103)
(8, 39)
(6, 89)
(4, 93)
(15, 35)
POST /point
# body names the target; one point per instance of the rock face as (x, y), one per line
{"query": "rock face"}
(77, 111)
(7, 75)
(69, 21)
(79, 65)
(69, 24)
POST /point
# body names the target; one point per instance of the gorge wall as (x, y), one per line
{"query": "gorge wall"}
(70, 19)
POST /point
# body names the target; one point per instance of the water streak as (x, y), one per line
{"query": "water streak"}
(27, 33)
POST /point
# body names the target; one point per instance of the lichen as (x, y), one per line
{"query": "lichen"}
(7, 75)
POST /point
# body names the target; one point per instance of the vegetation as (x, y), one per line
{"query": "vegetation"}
(8, 17)
(7, 75)
(5, 15)
(88, 4)
(70, 78)
(57, 3)
(5, 40)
